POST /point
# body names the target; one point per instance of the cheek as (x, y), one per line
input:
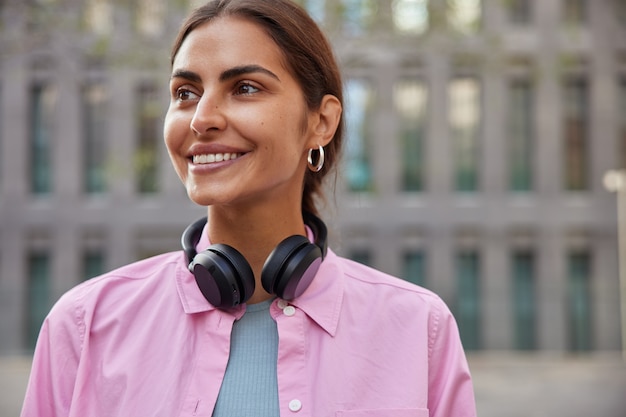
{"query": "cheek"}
(174, 131)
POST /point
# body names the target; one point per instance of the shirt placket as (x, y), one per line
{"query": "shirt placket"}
(293, 384)
(212, 352)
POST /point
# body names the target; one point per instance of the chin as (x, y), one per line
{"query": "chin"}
(197, 196)
(200, 199)
(205, 198)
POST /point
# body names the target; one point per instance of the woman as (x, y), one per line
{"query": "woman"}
(266, 321)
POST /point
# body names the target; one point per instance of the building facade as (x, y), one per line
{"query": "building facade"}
(478, 133)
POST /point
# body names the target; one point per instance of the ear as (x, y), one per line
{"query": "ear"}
(323, 122)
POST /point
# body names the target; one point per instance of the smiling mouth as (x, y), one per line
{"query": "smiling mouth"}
(211, 158)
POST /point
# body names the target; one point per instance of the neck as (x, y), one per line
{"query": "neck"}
(254, 233)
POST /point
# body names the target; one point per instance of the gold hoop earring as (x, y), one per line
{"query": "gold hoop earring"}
(320, 160)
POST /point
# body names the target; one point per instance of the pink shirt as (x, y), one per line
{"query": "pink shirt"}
(142, 341)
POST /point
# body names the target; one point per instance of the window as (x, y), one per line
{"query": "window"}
(575, 130)
(93, 264)
(147, 153)
(520, 11)
(620, 11)
(43, 102)
(468, 299)
(410, 97)
(524, 304)
(520, 135)
(579, 301)
(1, 130)
(574, 11)
(150, 17)
(358, 113)
(464, 15)
(465, 120)
(362, 256)
(38, 294)
(40, 16)
(415, 267)
(410, 16)
(358, 15)
(94, 99)
(99, 16)
(622, 123)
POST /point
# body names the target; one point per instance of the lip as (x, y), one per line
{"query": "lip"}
(213, 148)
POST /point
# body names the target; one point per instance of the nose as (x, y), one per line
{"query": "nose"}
(209, 116)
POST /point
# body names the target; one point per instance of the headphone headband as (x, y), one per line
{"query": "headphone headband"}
(192, 234)
(226, 279)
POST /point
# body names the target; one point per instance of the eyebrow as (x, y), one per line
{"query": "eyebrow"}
(246, 69)
(227, 74)
(186, 74)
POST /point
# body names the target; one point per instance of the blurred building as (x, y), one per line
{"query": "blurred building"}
(478, 136)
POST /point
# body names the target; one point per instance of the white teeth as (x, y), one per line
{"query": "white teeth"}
(214, 157)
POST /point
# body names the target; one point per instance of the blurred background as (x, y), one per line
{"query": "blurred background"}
(479, 134)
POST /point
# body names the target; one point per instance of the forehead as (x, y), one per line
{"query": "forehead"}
(229, 40)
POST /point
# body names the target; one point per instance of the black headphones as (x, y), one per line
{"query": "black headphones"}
(226, 279)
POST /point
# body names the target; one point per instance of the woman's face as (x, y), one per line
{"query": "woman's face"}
(237, 128)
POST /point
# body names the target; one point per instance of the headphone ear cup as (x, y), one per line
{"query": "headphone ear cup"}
(290, 268)
(223, 276)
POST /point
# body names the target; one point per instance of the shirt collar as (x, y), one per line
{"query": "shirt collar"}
(190, 295)
(322, 301)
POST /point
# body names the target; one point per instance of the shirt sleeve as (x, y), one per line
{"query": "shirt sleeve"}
(55, 363)
(450, 386)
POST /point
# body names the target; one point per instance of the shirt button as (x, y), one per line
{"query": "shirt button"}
(289, 311)
(295, 405)
(282, 304)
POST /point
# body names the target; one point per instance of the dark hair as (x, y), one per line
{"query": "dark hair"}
(308, 55)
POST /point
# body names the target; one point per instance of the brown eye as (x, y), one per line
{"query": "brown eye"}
(246, 89)
(183, 94)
